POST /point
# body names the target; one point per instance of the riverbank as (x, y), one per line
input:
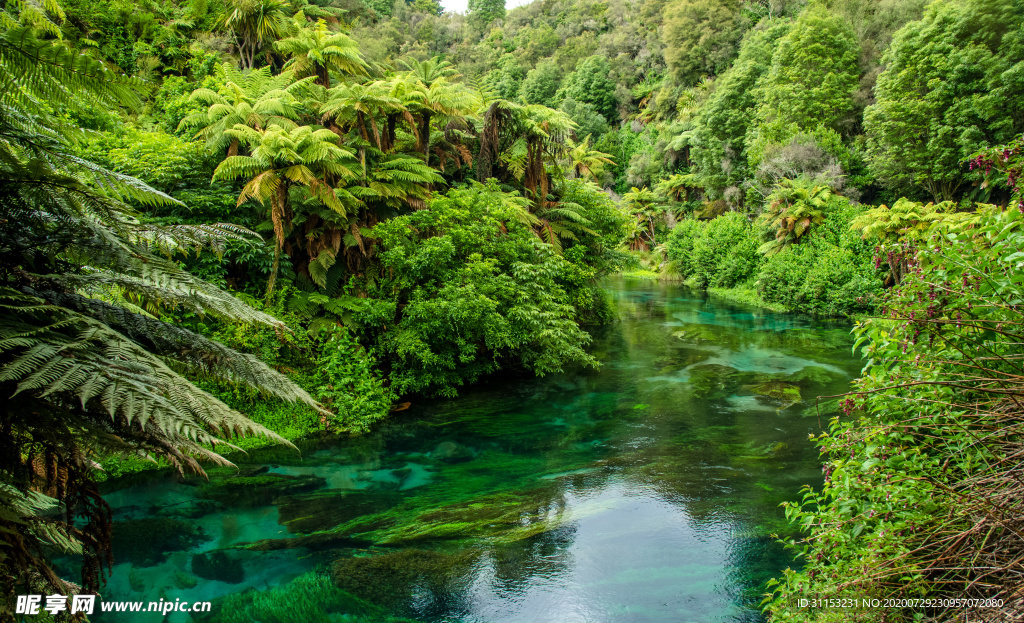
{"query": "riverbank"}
(293, 422)
(829, 271)
(921, 498)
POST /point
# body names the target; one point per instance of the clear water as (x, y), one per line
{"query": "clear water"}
(645, 491)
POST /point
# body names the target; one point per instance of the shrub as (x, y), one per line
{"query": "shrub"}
(346, 379)
(720, 238)
(741, 263)
(680, 245)
(821, 278)
(829, 272)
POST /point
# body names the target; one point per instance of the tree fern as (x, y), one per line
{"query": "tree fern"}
(86, 366)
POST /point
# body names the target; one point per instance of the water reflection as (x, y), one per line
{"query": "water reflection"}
(645, 491)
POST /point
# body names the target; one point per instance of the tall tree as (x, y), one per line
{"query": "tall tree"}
(282, 158)
(592, 83)
(436, 94)
(359, 106)
(586, 162)
(951, 85)
(718, 151)
(813, 74)
(810, 86)
(254, 24)
(316, 51)
(541, 84)
(701, 37)
(486, 11)
(507, 77)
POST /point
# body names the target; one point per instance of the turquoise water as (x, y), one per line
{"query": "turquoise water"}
(647, 490)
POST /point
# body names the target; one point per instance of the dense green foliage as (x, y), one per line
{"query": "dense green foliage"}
(465, 287)
(831, 272)
(89, 364)
(436, 196)
(944, 93)
(920, 499)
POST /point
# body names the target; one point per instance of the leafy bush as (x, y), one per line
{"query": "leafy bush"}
(819, 278)
(346, 379)
(680, 245)
(740, 263)
(717, 247)
(466, 289)
(921, 494)
(830, 272)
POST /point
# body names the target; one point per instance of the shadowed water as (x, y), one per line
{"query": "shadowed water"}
(645, 491)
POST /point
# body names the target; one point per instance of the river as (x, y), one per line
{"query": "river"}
(645, 491)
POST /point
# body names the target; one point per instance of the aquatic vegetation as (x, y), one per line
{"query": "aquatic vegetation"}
(391, 579)
(248, 491)
(189, 509)
(325, 509)
(782, 393)
(149, 540)
(816, 377)
(506, 516)
(714, 381)
(309, 598)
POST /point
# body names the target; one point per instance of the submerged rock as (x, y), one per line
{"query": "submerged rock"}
(394, 579)
(260, 490)
(185, 580)
(783, 394)
(451, 452)
(146, 542)
(713, 381)
(816, 376)
(219, 566)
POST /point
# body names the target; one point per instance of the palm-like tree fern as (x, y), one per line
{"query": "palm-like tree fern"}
(793, 207)
(86, 365)
(255, 98)
(436, 93)
(316, 51)
(254, 23)
(586, 162)
(640, 203)
(282, 158)
(358, 106)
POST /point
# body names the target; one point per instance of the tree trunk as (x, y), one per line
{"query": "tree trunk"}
(392, 124)
(425, 135)
(278, 207)
(362, 126)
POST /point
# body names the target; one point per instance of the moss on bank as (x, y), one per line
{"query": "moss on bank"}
(747, 295)
(292, 421)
